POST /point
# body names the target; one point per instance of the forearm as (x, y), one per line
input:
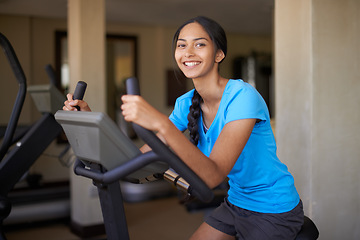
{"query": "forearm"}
(146, 148)
(203, 166)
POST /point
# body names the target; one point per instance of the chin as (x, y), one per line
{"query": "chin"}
(189, 74)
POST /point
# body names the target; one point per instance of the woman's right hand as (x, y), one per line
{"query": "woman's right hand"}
(69, 104)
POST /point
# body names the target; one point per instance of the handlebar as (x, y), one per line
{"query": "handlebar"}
(198, 188)
(79, 92)
(51, 73)
(20, 98)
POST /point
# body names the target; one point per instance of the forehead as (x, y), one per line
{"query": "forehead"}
(193, 31)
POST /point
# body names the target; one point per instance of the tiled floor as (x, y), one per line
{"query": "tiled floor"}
(157, 219)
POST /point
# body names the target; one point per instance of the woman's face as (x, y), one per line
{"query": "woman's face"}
(195, 52)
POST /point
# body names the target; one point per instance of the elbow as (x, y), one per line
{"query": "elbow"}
(215, 181)
(216, 176)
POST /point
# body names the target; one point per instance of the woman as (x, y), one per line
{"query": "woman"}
(230, 136)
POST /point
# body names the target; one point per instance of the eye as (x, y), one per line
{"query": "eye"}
(200, 45)
(181, 45)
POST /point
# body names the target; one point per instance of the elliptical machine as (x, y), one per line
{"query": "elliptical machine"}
(16, 160)
(106, 156)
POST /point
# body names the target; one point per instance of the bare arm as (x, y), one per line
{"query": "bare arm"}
(146, 148)
(227, 149)
(212, 169)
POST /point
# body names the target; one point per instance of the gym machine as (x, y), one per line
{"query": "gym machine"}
(16, 159)
(106, 155)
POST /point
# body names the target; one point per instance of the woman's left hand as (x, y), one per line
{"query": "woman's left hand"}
(136, 109)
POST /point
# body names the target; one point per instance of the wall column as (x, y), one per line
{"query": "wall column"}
(317, 108)
(86, 28)
(86, 36)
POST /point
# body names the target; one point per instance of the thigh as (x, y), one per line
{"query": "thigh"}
(206, 232)
(223, 219)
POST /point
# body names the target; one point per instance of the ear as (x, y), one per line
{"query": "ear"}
(219, 56)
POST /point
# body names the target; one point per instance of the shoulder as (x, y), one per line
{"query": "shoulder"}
(181, 110)
(184, 100)
(241, 100)
(236, 85)
(238, 89)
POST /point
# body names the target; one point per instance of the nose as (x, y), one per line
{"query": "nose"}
(189, 52)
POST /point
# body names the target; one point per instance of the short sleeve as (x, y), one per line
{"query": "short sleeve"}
(245, 103)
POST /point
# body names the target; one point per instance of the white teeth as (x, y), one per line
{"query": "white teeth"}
(190, 64)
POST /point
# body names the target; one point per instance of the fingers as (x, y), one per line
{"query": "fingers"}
(129, 108)
(83, 105)
(136, 109)
(69, 97)
(131, 104)
(135, 103)
(69, 104)
(131, 98)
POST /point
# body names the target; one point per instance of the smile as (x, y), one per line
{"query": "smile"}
(191, 64)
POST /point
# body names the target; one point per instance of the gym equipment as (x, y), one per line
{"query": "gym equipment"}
(106, 155)
(47, 98)
(16, 160)
(308, 230)
(79, 92)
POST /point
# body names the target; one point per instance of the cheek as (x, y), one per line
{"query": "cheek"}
(177, 57)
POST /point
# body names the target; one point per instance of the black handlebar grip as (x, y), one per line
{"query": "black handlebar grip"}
(132, 86)
(51, 74)
(79, 92)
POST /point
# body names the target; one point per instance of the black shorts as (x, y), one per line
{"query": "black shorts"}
(249, 225)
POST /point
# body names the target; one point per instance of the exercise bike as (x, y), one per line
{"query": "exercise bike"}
(106, 156)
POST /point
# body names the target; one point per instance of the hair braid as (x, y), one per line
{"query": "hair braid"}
(193, 117)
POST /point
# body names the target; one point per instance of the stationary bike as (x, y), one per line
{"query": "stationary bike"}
(106, 156)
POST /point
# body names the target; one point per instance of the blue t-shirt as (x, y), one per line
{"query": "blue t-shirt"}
(259, 181)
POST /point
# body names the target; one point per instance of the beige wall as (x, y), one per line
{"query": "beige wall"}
(17, 31)
(33, 40)
(317, 108)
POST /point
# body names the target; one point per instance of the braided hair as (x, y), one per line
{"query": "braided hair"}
(193, 117)
(218, 36)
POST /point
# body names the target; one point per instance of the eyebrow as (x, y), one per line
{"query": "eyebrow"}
(195, 39)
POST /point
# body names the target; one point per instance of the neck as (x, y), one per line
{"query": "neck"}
(211, 88)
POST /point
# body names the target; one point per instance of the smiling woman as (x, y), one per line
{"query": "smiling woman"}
(229, 124)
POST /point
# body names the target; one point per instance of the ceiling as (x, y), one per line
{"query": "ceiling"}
(239, 16)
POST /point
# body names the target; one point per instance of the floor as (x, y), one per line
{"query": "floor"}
(162, 219)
